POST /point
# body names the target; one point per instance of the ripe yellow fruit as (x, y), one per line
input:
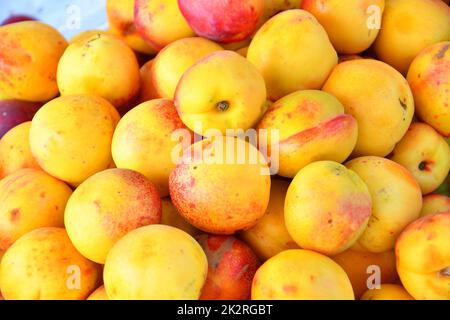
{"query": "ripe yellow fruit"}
(221, 185)
(103, 65)
(30, 199)
(107, 206)
(358, 266)
(71, 136)
(428, 77)
(121, 23)
(311, 126)
(221, 91)
(44, 265)
(379, 98)
(143, 141)
(396, 201)
(348, 23)
(160, 22)
(292, 51)
(299, 274)
(423, 258)
(426, 154)
(327, 207)
(387, 292)
(29, 55)
(173, 61)
(408, 26)
(15, 152)
(155, 262)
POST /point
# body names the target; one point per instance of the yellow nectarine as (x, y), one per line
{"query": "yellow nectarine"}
(292, 51)
(299, 274)
(30, 199)
(327, 207)
(29, 55)
(396, 201)
(44, 265)
(155, 262)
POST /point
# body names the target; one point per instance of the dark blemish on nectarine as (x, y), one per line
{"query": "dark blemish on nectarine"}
(15, 214)
(425, 165)
(441, 53)
(402, 103)
(88, 43)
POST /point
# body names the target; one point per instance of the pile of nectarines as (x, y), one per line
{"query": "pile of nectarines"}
(209, 149)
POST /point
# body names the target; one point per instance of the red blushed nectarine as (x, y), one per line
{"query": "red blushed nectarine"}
(14, 112)
(232, 265)
(215, 191)
(16, 18)
(222, 21)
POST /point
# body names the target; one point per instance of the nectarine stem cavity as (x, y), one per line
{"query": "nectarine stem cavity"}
(223, 105)
(422, 166)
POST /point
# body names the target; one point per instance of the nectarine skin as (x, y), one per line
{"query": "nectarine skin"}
(71, 136)
(14, 112)
(423, 258)
(29, 56)
(107, 206)
(346, 22)
(396, 201)
(293, 52)
(231, 267)
(142, 141)
(39, 266)
(299, 274)
(15, 152)
(426, 154)
(380, 99)
(435, 203)
(327, 207)
(408, 26)
(387, 292)
(356, 264)
(312, 126)
(216, 195)
(428, 77)
(24, 193)
(160, 22)
(155, 262)
(270, 236)
(121, 22)
(222, 21)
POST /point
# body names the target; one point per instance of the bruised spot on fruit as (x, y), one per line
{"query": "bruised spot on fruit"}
(444, 272)
(15, 214)
(402, 103)
(223, 105)
(441, 53)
